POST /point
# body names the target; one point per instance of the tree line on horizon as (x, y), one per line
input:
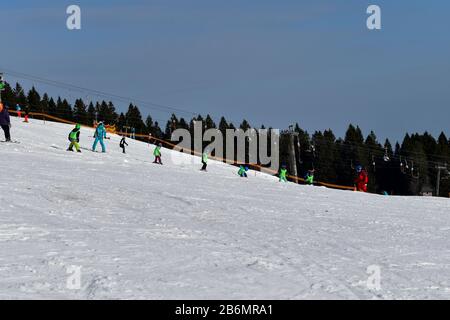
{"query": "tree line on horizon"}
(406, 168)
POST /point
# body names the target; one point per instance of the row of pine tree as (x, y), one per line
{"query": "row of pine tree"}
(406, 168)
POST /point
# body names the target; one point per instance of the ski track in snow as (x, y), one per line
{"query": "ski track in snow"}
(144, 231)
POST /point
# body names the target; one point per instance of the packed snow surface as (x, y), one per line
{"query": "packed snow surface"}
(139, 230)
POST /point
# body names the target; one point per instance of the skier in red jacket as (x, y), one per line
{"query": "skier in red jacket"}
(362, 179)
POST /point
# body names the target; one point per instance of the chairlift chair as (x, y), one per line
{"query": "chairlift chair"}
(386, 155)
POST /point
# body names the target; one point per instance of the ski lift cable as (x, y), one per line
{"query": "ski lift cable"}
(400, 159)
(67, 86)
(404, 163)
(352, 145)
(375, 150)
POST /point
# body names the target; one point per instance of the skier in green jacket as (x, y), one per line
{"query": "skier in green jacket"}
(283, 173)
(243, 172)
(74, 138)
(204, 160)
(157, 154)
(309, 178)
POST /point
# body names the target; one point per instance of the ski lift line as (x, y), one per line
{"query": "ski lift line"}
(380, 151)
(403, 162)
(408, 152)
(410, 172)
(375, 149)
(391, 158)
(426, 162)
(63, 85)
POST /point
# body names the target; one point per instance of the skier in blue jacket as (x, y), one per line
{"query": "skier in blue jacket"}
(100, 134)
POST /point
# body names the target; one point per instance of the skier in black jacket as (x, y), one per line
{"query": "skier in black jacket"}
(5, 122)
(123, 143)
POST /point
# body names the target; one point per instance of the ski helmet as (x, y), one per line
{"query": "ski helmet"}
(358, 168)
(246, 168)
(77, 126)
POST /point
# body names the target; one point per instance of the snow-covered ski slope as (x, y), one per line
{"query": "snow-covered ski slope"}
(144, 231)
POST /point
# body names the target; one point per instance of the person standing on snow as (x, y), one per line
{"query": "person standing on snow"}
(204, 160)
(283, 173)
(157, 154)
(19, 111)
(243, 172)
(5, 122)
(309, 177)
(27, 114)
(362, 179)
(100, 134)
(123, 143)
(74, 138)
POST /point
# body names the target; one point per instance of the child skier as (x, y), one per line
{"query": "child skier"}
(309, 177)
(283, 173)
(74, 138)
(19, 111)
(157, 154)
(123, 143)
(243, 172)
(27, 113)
(362, 179)
(5, 122)
(100, 134)
(204, 160)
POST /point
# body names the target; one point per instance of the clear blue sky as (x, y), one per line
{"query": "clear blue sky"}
(271, 62)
